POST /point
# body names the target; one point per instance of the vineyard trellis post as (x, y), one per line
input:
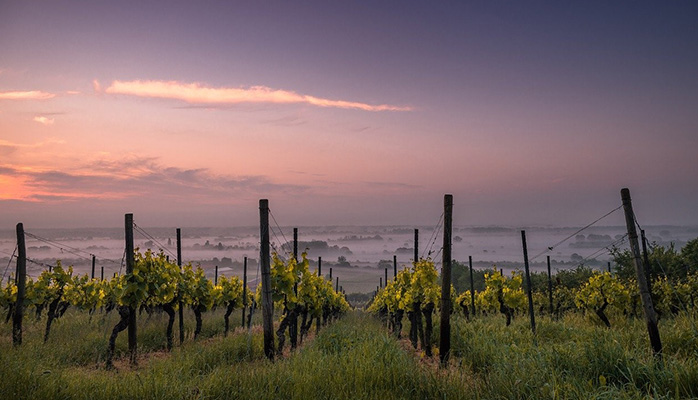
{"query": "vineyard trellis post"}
(101, 275)
(645, 297)
(380, 282)
(215, 276)
(529, 289)
(550, 286)
(130, 261)
(20, 280)
(472, 285)
(609, 267)
(336, 288)
(264, 260)
(293, 327)
(646, 260)
(181, 303)
(386, 276)
(319, 266)
(244, 289)
(92, 276)
(330, 275)
(394, 266)
(416, 245)
(445, 324)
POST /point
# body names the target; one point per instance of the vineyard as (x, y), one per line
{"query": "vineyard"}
(427, 332)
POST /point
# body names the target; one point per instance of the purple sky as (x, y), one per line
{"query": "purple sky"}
(529, 113)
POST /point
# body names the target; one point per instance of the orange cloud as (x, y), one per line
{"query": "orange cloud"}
(44, 120)
(26, 95)
(196, 93)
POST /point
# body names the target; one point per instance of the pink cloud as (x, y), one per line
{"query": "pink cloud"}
(196, 93)
(26, 95)
(44, 120)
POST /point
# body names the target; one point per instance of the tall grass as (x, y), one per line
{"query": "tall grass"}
(354, 358)
(575, 359)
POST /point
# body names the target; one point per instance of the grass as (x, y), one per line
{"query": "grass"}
(354, 358)
(575, 359)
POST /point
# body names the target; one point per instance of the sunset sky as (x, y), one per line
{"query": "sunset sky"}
(187, 113)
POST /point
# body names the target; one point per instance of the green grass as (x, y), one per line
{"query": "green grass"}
(576, 359)
(354, 358)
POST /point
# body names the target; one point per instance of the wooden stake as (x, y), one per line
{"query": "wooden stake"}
(244, 289)
(20, 279)
(264, 259)
(416, 245)
(386, 276)
(215, 277)
(93, 267)
(646, 261)
(645, 296)
(529, 289)
(445, 326)
(550, 287)
(130, 261)
(394, 266)
(472, 286)
(295, 244)
(181, 303)
(319, 266)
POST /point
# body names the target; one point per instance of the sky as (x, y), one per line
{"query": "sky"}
(347, 113)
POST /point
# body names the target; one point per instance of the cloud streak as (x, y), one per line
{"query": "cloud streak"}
(195, 93)
(26, 95)
(44, 120)
(137, 177)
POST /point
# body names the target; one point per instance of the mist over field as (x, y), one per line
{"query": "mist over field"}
(357, 254)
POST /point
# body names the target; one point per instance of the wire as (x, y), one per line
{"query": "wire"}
(62, 247)
(68, 249)
(280, 230)
(122, 261)
(576, 233)
(597, 252)
(149, 236)
(434, 235)
(8, 263)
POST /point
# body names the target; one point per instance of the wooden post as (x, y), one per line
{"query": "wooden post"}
(181, 303)
(380, 282)
(647, 306)
(394, 266)
(472, 286)
(445, 326)
(319, 266)
(130, 261)
(295, 244)
(330, 275)
(93, 267)
(386, 276)
(264, 259)
(244, 289)
(416, 245)
(101, 277)
(529, 289)
(550, 287)
(336, 287)
(609, 267)
(215, 277)
(21, 280)
(646, 261)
